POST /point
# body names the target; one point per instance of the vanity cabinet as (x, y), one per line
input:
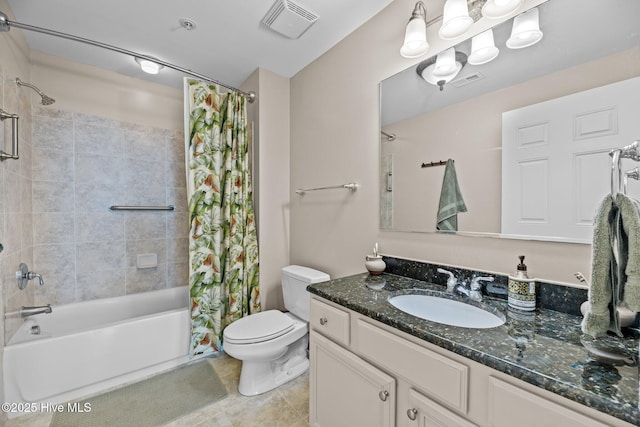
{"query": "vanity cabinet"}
(365, 373)
(347, 391)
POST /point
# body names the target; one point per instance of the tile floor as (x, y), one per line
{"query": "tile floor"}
(286, 406)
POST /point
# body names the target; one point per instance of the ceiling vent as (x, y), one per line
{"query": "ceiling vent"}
(289, 19)
(463, 81)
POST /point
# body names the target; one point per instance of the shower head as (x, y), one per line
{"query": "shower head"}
(46, 100)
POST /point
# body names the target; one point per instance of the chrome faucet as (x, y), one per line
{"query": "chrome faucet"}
(451, 281)
(32, 311)
(474, 291)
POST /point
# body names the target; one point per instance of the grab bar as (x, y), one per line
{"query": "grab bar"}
(142, 208)
(14, 135)
(350, 186)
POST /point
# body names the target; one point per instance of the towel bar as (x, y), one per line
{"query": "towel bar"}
(350, 186)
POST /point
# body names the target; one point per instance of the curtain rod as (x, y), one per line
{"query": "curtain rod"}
(5, 25)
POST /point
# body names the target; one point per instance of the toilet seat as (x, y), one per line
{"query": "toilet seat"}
(259, 327)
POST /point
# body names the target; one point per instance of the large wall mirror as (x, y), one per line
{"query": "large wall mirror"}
(584, 72)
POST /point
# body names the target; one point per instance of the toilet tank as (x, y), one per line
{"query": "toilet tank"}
(295, 279)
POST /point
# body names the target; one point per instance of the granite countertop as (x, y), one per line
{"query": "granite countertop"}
(542, 348)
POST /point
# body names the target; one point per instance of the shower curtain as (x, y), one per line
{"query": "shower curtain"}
(223, 249)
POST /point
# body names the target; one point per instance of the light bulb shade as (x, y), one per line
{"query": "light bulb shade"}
(495, 9)
(526, 30)
(427, 69)
(149, 67)
(445, 63)
(483, 48)
(415, 39)
(455, 19)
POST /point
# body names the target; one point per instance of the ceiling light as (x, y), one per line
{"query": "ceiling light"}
(455, 19)
(149, 67)
(495, 9)
(443, 68)
(483, 48)
(526, 30)
(415, 38)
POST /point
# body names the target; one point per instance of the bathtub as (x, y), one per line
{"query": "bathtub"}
(87, 347)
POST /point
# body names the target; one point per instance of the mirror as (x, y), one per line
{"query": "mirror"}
(578, 52)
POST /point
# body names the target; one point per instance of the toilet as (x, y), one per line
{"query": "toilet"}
(273, 345)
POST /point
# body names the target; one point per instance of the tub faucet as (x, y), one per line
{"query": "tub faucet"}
(32, 311)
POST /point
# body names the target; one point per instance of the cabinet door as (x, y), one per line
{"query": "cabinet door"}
(423, 412)
(347, 391)
(511, 406)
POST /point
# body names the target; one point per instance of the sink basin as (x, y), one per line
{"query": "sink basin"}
(446, 311)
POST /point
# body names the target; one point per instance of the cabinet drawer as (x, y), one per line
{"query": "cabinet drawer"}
(511, 406)
(441, 378)
(330, 321)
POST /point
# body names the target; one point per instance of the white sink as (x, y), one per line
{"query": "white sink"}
(446, 311)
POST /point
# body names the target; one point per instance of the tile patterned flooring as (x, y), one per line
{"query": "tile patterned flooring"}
(286, 406)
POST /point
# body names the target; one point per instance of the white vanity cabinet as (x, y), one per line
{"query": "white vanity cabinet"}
(345, 390)
(365, 373)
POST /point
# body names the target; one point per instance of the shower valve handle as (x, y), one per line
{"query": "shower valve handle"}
(23, 275)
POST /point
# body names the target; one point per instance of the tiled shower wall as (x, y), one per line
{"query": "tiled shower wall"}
(16, 233)
(82, 165)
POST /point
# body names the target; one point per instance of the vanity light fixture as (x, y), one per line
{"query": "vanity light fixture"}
(455, 19)
(495, 9)
(149, 67)
(443, 68)
(526, 30)
(415, 37)
(483, 48)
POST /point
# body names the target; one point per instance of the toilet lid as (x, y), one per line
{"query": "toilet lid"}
(258, 327)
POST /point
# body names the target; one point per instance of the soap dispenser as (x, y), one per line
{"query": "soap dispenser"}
(522, 289)
(374, 263)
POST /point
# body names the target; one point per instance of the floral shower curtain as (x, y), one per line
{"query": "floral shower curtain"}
(223, 249)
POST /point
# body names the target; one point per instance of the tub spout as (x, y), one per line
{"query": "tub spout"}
(32, 311)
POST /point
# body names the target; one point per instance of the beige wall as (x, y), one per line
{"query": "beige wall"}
(270, 117)
(471, 133)
(334, 139)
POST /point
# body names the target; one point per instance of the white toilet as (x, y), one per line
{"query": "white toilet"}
(273, 345)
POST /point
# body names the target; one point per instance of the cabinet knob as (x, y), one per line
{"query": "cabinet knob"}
(383, 395)
(323, 321)
(412, 414)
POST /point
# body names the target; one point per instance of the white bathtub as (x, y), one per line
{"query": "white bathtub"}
(87, 347)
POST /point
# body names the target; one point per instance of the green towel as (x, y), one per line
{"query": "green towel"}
(451, 201)
(615, 265)
(598, 317)
(630, 251)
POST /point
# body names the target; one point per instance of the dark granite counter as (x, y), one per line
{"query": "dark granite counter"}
(542, 348)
